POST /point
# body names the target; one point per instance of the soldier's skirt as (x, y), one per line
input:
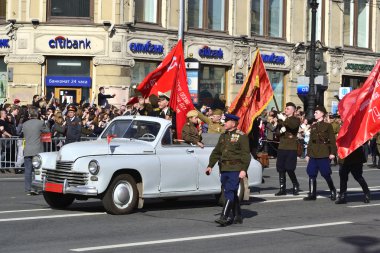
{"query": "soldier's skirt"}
(318, 164)
(230, 183)
(286, 160)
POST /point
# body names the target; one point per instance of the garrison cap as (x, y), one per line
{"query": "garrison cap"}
(218, 112)
(291, 104)
(192, 113)
(231, 117)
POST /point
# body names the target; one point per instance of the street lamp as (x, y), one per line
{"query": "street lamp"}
(311, 96)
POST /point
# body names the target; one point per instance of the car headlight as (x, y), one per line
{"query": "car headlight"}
(36, 162)
(93, 167)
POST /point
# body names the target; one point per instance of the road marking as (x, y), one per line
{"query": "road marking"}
(292, 199)
(364, 205)
(26, 210)
(208, 237)
(11, 178)
(50, 217)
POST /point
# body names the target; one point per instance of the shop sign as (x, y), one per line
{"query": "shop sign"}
(61, 42)
(359, 67)
(68, 81)
(4, 43)
(272, 58)
(239, 76)
(192, 82)
(207, 52)
(148, 48)
(343, 91)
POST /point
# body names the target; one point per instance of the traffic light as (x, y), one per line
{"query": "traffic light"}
(319, 66)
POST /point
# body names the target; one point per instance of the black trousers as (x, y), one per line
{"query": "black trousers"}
(356, 171)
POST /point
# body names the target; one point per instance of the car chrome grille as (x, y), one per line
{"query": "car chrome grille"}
(64, 171)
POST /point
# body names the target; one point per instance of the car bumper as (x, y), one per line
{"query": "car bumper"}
(67, 189)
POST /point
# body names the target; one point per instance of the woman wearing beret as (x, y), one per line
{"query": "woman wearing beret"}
(190, 132)
(320, 150)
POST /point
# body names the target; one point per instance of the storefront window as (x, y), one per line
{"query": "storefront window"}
(357, 23)
(2, 10)
(3, 78)
(277, 81)
(212, 82)
(70, 66)
(147, 10)
(76, 10)
(207, 14)
(320, 21)
(353, 81)
(267, 18)
(141, 70)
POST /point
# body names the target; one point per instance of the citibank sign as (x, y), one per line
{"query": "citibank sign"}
(61, 42)
(207, 52)
(4, 43)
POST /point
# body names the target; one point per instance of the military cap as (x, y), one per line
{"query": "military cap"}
(71, 108)
(192, 113)
(218, 112)
(321, 108)
(231, 117)
(162, 95)
(290, 104)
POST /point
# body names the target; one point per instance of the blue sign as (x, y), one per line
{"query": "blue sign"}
(146, 48)
(61, 42)
(4, 43)
(207, 52)
(272, 58)
(302, 89)
(68, 81)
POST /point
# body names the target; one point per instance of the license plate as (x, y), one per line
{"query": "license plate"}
(53, 187)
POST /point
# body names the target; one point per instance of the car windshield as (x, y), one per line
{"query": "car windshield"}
(135, 129)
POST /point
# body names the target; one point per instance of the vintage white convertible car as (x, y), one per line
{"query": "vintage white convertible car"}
(139, 162)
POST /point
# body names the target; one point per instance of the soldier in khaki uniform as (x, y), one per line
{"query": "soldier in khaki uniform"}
(321, 149)
(190, 133)
(214, 124)
(233, 154)
(287, 149)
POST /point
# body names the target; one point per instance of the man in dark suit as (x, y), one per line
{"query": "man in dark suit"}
(32, 130)
(73, 125)
(102, 98)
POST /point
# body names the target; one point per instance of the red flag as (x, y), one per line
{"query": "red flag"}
(361, 111)
(254, 95)
(180, 100)
(133, 100)
(164, 76)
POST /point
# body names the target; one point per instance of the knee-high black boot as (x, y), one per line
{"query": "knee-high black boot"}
(296, 185)
(282, 179)
(341, 198)
(364, 185)
(312, 195)
(330, 183)
(223, 219)
(236, 211)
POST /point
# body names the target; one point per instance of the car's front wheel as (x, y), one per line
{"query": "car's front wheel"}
(121, 196)
(58, 200)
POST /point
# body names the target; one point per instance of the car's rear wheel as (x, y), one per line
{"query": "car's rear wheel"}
(121, 196)
(221, 199)
(58, 200)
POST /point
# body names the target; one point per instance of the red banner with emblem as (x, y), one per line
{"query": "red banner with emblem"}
(254, 96)
(180, 100)
(164, 77)
(361, 115)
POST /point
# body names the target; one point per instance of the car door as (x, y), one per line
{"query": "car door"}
(179, 168)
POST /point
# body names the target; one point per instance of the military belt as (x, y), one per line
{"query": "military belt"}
(231, 162)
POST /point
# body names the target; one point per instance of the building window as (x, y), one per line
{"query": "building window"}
(268, 18)
(3, 78)
(277, 81)
(320, 24)
(354, 82)
(357, 23)
(212, 82)
(208, 14)
(78, 11)
(141, 70)
(147, 11)
(2, 10)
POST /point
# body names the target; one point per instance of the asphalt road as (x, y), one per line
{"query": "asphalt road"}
(272, 224)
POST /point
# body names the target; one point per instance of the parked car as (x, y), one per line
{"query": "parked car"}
(135, 158)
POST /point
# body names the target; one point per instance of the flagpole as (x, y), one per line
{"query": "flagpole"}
(275, 103)
(181, 19)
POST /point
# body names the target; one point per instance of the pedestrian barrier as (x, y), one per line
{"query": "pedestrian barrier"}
(12, 149)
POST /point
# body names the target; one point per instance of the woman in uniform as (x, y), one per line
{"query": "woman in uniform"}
(321, 149)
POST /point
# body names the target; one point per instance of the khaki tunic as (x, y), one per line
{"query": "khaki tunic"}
(322, 141)
(232, 151)
(288, 139)
(190, 134)
(213, 127)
